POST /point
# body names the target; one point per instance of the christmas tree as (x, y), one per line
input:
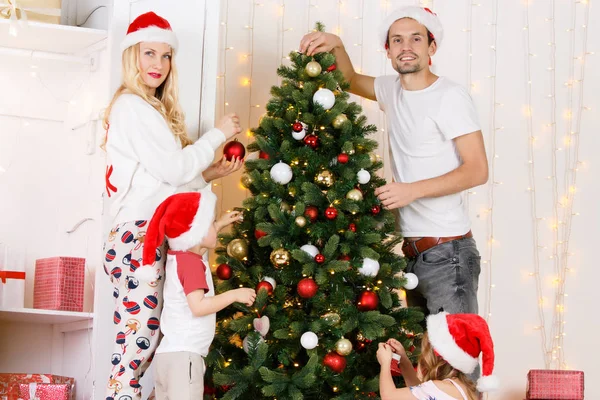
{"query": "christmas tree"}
(317, 246)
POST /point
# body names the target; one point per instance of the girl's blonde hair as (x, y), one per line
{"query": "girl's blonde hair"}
(434, 367)
(165, 101)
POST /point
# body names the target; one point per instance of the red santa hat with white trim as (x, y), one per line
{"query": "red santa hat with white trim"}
(150, 27)
(183, 219)
(422, 15)
(460, 339)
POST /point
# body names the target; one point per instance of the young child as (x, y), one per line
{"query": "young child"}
(190, 305)
(449, 352)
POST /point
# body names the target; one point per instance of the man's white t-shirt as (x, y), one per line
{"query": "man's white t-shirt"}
(421, 126)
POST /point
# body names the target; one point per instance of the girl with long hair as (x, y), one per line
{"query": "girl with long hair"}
(450, 351)
(149, 158)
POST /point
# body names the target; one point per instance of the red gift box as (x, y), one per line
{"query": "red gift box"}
(9, 383)
(59, 283)
(547, 384)
(44, 391)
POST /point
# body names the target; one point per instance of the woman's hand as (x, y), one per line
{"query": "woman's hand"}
(222, 168)
(229, 125)
(384, 354)
(227, 219)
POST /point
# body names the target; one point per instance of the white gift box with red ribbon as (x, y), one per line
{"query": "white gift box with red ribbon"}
(12, 282)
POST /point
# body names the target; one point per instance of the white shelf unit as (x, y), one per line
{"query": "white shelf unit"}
(48, 317)
(49, 38)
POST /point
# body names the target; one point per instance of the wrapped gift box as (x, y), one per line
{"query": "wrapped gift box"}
(47, 11)
(546, 384)
(9, 383)
(44, 391)
(59, 283)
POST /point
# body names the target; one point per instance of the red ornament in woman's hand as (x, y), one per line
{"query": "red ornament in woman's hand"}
(234, 149)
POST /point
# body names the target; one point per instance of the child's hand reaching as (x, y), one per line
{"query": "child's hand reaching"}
(227, 219)
(397, 348)
(245, 296)
(384, 354)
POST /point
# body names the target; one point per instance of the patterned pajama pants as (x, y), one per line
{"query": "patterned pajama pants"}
(137, 309)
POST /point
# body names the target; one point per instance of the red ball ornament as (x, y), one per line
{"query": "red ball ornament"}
(307, 288)
(224, 272)
(320, 258)
(263, 155)
(258, 234)
(344, 257)
(332, 67)
(367, 301)
(335, 362)
(264, 285)
(297, 127)
(234, 149)
(352, 227)
(375, 210)
(312, 213)
(331, 213)
(343, 158)
(312, 141)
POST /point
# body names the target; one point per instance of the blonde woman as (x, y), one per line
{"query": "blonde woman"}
(450, 351)
(149, 158)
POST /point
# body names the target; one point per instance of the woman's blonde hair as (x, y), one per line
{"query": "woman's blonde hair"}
(165, 100)
(434, 367)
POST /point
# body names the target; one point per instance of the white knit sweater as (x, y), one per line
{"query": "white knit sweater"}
(145, 162)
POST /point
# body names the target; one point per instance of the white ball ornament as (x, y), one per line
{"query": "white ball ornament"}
(310, 249)
(299, 135)
(309, 340)
(411, 281)
(363, 176)
(369, 267)
(245, 344)
(325, 98)
(281, 173)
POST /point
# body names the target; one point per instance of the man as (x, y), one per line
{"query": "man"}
(437, 150)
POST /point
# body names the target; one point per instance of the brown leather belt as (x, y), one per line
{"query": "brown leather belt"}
(412, 248)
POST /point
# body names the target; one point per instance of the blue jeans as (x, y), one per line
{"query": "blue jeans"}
(448, 278)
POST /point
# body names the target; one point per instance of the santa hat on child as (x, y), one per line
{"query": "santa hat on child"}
(149, 27)
(424, 16)
(459, 339)
(184, 219)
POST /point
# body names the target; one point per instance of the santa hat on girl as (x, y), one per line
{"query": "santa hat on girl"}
(459, 339)
(150, 27)
(424, 16)
(183, 219)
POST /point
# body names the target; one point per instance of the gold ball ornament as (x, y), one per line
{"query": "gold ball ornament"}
(280, 258)
(355, 195)
(373, 158)
(324, 178)
(343, 347)
(339, 121)
(238, 249)
(285, 207)
(300, 221)
(246, 180)
(332, 318)
(313, 69)
(292, 191)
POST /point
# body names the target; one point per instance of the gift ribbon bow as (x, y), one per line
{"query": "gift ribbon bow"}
(4, 275)
(9, 11)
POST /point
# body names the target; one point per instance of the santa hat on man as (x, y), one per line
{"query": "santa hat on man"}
(183, 219)
(424, 16)
(150, 27)
(460, 339)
